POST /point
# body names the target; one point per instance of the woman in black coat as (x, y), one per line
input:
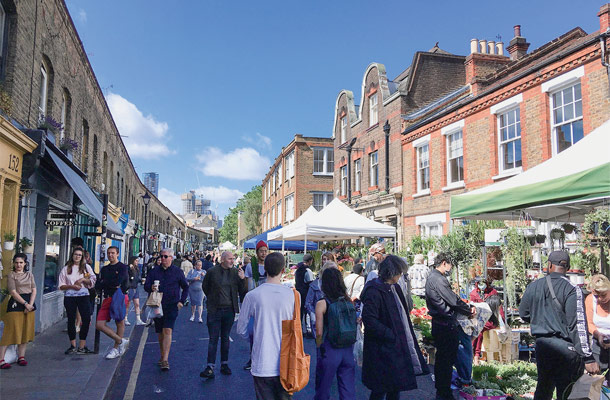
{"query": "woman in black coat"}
(392, 358)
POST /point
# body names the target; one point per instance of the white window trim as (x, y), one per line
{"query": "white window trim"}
(506, 105)
(456, 126)
(272, 216)
(343, 127)
(504, 172)
(421, 142)
(454, 186)
(563, 80)
(425, 192)
(343, 177)
(325, 172)
(431, 218)
(458, 184)
(371, 169)
(507, 173)
(358, 175)
(44, 92)
(278, 207)
(374, 95)
(279, 174)
(328, 197)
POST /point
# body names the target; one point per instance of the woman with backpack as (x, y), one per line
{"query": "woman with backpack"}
(392, 358)
(335, 338)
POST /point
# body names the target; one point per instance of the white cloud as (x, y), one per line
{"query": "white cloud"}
(82, 16)
(144, 136)
(260, 141)
(244, 163)
(171, 200)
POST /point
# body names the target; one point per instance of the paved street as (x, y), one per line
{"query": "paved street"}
(186, 359)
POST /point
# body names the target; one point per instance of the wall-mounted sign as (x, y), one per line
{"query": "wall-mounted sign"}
(59, 222)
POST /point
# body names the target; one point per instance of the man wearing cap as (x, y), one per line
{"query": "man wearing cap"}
(555, 309)
(255, 270)
(303, 276)
(377, 254)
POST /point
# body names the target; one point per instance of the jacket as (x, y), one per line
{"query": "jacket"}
(112, 276)
(314, 294)
(545, 318)
(134, 277)
(171, 280)
(386, 365)
(443, 304)
(300, 283)
(211, 285)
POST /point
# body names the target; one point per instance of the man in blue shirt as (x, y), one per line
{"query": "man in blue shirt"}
(170, 280)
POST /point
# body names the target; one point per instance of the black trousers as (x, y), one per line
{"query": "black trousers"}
(558, 366)
(83, 305)
(386, 396)
(219, 324)
(270, 388)
(446, 341)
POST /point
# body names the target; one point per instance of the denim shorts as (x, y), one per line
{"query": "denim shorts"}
(168, 320)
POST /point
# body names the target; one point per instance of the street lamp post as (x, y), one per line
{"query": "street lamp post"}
(146, 200)
(167, 231)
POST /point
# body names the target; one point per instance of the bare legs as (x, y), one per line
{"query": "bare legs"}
(117, 337)
(165, 343)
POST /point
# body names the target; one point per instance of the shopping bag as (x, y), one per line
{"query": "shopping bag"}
(359, 346)
(503, 332)
(154, 299)
(153, 312)
(10, 356)
(117, 306)
(587, 387)
(294, 363)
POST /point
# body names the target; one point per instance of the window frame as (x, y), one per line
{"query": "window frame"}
(343, 125)
(278, 207)
(501, 143)
(343, 176)
(272, 216)
(279, 174)
(448, 138)
(552, 107)
(358, 175)
(420, 169)
(289, 201)
(375, 168)
(327, 197)
(290, 165)
(328, 162)
(44, 92)
(373, 109)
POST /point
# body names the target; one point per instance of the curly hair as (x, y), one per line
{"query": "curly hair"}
(333, 286)
(390, 267)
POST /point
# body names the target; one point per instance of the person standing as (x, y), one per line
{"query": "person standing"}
(186, 265)
(555, 309)
(485, 292)
(133, 291)
(221, 285)
(267, 306)
(418, 273)
(19, 319)
(75, 279)
(207, 263)
(112, 277)
(168, 279)
(598, 317)
(443, 306)
(354, 282)
(255, 270)
(377, 253)
(303, 276)
(195, 280)
(315, 294)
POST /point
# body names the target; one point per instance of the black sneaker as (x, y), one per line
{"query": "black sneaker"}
(225, 370)
(71, 350)
(208, 372)
(84, 350)
(248, 365)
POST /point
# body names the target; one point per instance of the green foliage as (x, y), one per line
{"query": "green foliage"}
(9, 236)
(418, 245)
(250, 204)
(517, 254)
(418, 302)
(517, 378)
(598, 216)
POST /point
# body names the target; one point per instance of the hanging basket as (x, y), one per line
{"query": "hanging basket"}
(9, 246)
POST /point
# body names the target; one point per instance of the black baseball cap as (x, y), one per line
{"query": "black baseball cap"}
(560, 258)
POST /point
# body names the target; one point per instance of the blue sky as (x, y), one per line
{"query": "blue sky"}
(208, 92)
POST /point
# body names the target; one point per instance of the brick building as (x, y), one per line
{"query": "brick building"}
(514, 112)
(372, 181)
(301, 176)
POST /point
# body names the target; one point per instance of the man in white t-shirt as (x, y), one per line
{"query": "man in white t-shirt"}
(268, 305)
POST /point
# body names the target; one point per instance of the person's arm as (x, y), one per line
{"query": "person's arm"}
(242, 284)
(309, 306)
(525, 306)
(320, 311)
(453, 300)
(63, 281)
(148, 282)
(125, 282)
(308, 276)
(185, 287)
(244, 318)
(99, 284)
(370, 318)
(577, 323)
(190, 277)
(92, 277)
(590, 324)
(205, 285)
(12, 289)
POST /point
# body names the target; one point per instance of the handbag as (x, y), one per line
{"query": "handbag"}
(587, 387)
(294, 363)
(14, 306)
(154, 299)
(117, 306)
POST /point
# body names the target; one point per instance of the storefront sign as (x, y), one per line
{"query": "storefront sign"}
(58, 222)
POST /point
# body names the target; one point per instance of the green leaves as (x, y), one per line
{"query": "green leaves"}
(250, 206)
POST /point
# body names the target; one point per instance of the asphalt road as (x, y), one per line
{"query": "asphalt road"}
(138, 376)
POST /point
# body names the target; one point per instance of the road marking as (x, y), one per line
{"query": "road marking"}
(135, 371)
(204, 338)
(173, 341)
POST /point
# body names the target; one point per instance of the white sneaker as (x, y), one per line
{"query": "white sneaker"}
(200, 321)
(113, 353)
(139, 321)
(127, 323)
(192, 318)
(123, 346)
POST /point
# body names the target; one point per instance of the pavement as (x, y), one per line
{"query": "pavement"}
(139, 378)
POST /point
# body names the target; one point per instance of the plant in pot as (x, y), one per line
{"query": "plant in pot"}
(569, 228)
(67, 145)
(9, 241)
(540, 239)
(557, 234)
(26, 245)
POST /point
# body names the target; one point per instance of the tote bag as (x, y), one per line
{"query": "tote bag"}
(117, 306)
(294, 363)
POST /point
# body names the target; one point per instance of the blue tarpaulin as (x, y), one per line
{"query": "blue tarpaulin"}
(290, 245)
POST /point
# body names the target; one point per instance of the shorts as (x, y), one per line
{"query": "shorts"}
(104, 312)
(134, 293)
(168, 320)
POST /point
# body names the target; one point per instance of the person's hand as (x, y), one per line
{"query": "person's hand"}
(473, 311)
(154, 288)
(592, 368)
(604, 346)
(76, 287)
(28, 307)
(240, 273)
(180, 305)
(197, 278)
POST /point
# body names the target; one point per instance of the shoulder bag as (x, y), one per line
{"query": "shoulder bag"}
(294, 363)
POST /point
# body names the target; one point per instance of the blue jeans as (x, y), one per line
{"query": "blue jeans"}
(463, 364)
(219, 324)
(339, 362)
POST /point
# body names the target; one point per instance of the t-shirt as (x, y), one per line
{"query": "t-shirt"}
(261, 272)
(268, 305)
(69, 279)
(22, 282)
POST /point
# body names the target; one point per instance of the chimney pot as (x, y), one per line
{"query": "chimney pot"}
(483, 44)
(492, 47)
(517, 30)
(474, 44)
(500, 48)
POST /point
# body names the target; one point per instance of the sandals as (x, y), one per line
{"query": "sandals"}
(21, 361)
(4, 365)
(164, 365)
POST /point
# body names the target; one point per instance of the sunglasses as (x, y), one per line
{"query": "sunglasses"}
(165, 256)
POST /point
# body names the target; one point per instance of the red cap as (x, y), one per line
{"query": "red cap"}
(261, 243)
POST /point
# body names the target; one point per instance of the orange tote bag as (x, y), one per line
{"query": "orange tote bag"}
(294, 363)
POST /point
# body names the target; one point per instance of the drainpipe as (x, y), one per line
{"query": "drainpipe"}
(602, 44)
(386, 129)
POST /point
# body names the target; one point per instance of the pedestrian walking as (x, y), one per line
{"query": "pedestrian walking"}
(354, 282)
(186, 265)
(207, 264)
(303, 276)
(267, 306)
(335, 337)
(377, 254)
(221, 285)
(315, 294)
(113, 276)
(418, 274)
(169, 280)
(19, 318)
(597, 305)
(555, 309)
(255, 270)
(75, 279)
(195, 280)
(392, 358)
(443, 306)
(134, 292)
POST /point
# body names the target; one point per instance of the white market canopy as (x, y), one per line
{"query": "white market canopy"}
(563, 188)
(301, 221)
(337, 221)
(227, 246)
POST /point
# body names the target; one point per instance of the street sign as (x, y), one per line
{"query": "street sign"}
(65, 222)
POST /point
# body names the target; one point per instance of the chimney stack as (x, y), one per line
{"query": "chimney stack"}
(518, 46)
(604, 18)
(486, 57)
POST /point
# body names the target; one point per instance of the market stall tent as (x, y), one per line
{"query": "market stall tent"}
(227, 246)
(278, 234)
(564, 187)
(337, 221)
(290, 245)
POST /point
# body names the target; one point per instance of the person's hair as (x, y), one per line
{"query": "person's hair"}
(77, 242)
(113, 247)
(168, 250)
(157, 259)
(208, 257)
(390, 267)
(224, 255)
(329, 256)
(358, 269)
(418, 259)
(25, 260)
(131, 260)
(82, 265)
(494, 302)
(333, 285)
(274, 264)
(599, 283)
(442, 257)
(198, 262)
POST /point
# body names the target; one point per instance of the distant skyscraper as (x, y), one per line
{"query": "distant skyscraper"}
(191, 203)
(151, 181)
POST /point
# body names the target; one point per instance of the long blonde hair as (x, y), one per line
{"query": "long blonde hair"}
(599, 283)
(82, 265)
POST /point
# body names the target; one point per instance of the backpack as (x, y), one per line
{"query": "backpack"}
(341, 317)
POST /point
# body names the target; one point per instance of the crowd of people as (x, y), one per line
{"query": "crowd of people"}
(372, 301)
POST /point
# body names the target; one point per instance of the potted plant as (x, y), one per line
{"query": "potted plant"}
(540, 239)
(557, 234)
(68, 145)
(26, 245)
(569, 228)
(9, 241)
